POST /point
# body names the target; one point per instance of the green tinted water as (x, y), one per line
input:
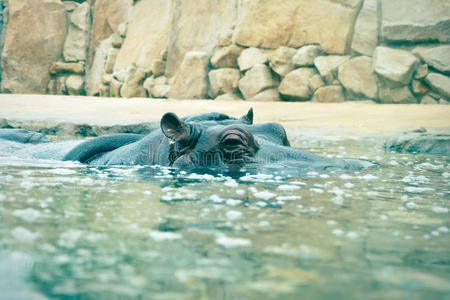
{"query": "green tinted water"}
(75, 232)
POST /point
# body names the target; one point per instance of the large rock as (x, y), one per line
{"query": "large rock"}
(428, 100)
(97, 68)
(266, 95)
(63, 67)
(438, 58)
(294, 23)
(223, 81)
(365, 38)
(357, 76)
(306, 55)
(416, 20)
(256, 80)
(329, 65)
(250, 57)
(148, 33)
(196, 26)
(418, 87)
(330, 93)
(296, 84)
(226, 57)
(393, 93)
(74, 84)
(439, 83)
(420, 142)
(29, 50)
(107, 16)
(281, 60)
(76, 44)
(394, 64)
(191, 80)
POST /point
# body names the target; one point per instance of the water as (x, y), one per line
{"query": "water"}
(69, 231)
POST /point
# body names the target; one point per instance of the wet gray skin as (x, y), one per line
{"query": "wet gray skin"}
(213, 141)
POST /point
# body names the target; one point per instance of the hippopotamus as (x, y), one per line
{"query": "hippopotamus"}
(211, 140)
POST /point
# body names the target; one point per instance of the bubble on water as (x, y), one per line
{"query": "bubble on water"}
(27, 184)
(383, 217)
(216, 198)
(62, 171)
(446, 175)
(312, 174)
(264, 223)
(28, 214)
(331, 222)
(426, 236)
(417, 190)
(401, 208)
(440, 210)
(430, 165)
(337, 232)
(338, 200)
(159, 236)
(412, 205)
(393, 163)
(24, 235)
(266, 195)
(99, 214)
(349, 185)
(288, 198)
(368, 177)
(352, 235)
(147, 193)
(372, 193)
(415, 180)
(316, 190)
(207, 177)
(233, 202)
(233, 214)
(408, 237)
(324, 176)
(404, 198)
(288, 187)
(2, 197)
(261, 204)
(229, 242)
(435, 233)
(252, 189)
(231, 183)
(69, 238)
(298, 182)
(346, 177)
(86, 181)
(240, 192)
(443, 229)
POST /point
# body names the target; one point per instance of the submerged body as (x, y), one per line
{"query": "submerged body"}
(210, 140)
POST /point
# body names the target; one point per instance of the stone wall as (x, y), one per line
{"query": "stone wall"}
(263, 50)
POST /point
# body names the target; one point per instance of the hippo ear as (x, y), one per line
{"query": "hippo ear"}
(174, 128)
(248, 118)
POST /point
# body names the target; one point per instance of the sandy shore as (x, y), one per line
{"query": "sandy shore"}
(348, 119)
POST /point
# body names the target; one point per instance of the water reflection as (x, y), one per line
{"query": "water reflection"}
(159, 233)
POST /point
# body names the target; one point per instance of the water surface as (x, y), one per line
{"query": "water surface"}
(69, 231)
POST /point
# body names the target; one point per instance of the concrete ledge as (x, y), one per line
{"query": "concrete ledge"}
(349, 119)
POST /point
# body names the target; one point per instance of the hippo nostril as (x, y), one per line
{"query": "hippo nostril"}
(232, 140)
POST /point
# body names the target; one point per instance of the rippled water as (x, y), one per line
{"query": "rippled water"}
(76, 232)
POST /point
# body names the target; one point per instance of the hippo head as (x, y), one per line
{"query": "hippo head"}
(216, 142)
